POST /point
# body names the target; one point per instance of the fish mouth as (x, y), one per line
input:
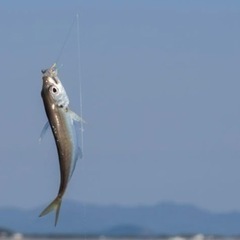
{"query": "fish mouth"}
(52, 69)
(50, 74)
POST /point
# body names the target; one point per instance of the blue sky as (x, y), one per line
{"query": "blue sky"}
(160, 96)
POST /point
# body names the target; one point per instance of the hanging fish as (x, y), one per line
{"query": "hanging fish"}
(61, 120)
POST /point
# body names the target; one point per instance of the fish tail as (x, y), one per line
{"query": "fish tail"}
(54, 205)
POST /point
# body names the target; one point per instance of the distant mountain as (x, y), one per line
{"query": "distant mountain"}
(5, 232)
(162, 219)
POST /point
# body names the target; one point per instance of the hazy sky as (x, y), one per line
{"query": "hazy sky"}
(161, 85)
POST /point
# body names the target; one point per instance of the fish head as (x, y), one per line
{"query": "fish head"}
(52, 88)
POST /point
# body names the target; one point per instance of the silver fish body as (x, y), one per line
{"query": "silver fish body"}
(61, 119)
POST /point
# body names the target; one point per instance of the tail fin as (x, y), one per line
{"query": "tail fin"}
(54, 205)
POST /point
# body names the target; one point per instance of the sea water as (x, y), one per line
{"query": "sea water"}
(18, 236)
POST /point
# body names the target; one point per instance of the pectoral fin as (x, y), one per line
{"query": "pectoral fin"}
(75, 116)
(45, 128)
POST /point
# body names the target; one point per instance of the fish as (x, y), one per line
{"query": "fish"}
(62, 122)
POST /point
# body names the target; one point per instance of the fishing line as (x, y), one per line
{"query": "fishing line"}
(65, 41)
(80, 79)
(81, 107)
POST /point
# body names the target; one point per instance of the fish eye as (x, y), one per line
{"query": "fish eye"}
(54, 90)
